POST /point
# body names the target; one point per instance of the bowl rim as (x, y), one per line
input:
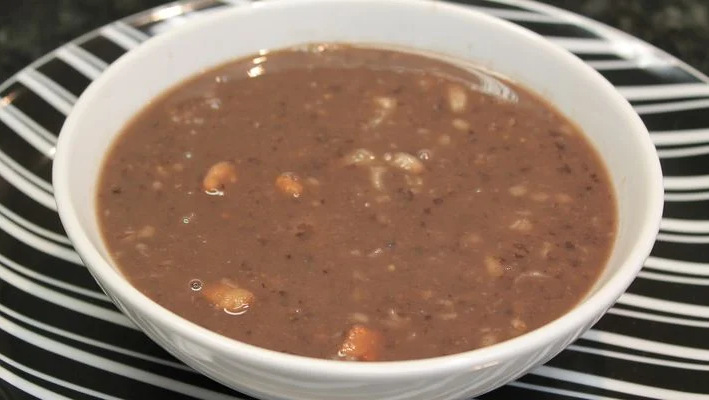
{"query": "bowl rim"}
(571, 322)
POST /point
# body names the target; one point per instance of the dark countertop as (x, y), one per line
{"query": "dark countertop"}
(31, 28)
(680, 27)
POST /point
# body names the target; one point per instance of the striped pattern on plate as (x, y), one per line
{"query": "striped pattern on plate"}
(61, 338)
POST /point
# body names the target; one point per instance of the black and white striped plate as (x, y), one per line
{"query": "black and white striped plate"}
(61, 338)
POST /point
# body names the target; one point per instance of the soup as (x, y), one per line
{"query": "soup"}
(357, 203)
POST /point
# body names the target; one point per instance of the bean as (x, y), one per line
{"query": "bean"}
(218, 177)
(289, 183)
(360, 344)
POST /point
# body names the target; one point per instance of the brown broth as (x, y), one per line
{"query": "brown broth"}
(358, 204)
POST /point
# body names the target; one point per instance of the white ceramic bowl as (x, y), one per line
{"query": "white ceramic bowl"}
(583, 95)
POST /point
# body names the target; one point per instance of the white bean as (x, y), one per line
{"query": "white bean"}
(406, 162)
(359, 157)
(457, 98)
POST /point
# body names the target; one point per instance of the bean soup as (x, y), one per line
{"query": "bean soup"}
(357, 203)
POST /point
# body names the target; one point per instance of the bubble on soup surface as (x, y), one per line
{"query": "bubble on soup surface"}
(196, 285)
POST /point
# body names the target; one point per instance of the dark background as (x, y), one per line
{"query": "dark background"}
(31, 28)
